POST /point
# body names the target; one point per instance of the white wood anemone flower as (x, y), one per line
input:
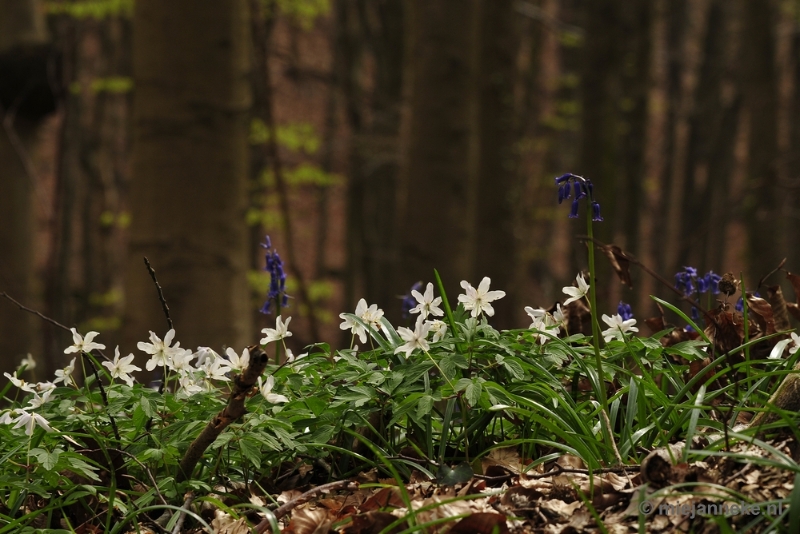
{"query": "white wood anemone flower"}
(371, 315)
(122, 367)
(160, 350)
(414, 339)
(30, 421)
(20, 383)
(266, 390)
(239, 363)
(576, 293)
(477, 301)
(281, 331)
(83, 344)
(426, 304)
(618, 327)
(65, 374)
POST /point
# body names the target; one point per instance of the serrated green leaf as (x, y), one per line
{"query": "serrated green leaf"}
(424, 406)
(473, 393)
(82, 468)
(147, 407)
(151, 454)
(222, 440)
(45, 458)
(139, 418)
(462, 384)
(251, 451)
(315, 404)
(514, 368)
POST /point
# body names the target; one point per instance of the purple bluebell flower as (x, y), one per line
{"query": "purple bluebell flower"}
(695, 314)
(702, 285)
(712, 280)
(277, 279)
(409, 302)
(573, 212)
(579, 193)
(596, 217)
(624, 310)
(583, 189)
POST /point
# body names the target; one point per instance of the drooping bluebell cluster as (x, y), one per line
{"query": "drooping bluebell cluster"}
(624, 310)
(409, 302)
(582, 188)
(277, 279)
(690, 283)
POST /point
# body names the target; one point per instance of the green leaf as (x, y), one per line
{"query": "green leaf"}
(147, 407)
(82, 468)
(251, 451)
(151, 454)
(424, 406)
(316, 405)
(46, 459)
(513, 367)
(139, 418)
(473, 392)
(462, 384)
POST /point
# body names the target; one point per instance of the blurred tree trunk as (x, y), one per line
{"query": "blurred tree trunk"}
(436, 198)
(494, 247)
(616, 82)
(686, 29)
(372, 32)
(25, 99)
(763, 206)
(793, 159)
(710, 160)
(192, 99)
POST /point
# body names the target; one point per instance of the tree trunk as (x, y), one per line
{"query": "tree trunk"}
(25, 99)
(495, 247)
(190, 166)
(763, 207)
(436, 201)
(372, 32)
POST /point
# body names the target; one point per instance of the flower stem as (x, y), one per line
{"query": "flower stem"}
(608, 436)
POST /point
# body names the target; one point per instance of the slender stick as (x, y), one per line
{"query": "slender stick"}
(243, 384)
(169, 321)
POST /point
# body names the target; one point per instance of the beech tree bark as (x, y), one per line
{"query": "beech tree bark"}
(436, 201)
(192, 100)
(25, 99)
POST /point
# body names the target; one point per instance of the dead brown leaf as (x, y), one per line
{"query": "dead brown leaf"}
(481, 523)
(374, 523)
(310, 521)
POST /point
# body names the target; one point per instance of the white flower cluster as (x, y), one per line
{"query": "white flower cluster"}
(209, 367)
(476, 301)
(544, 321)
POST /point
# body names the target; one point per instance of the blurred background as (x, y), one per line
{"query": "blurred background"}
(376, 140)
